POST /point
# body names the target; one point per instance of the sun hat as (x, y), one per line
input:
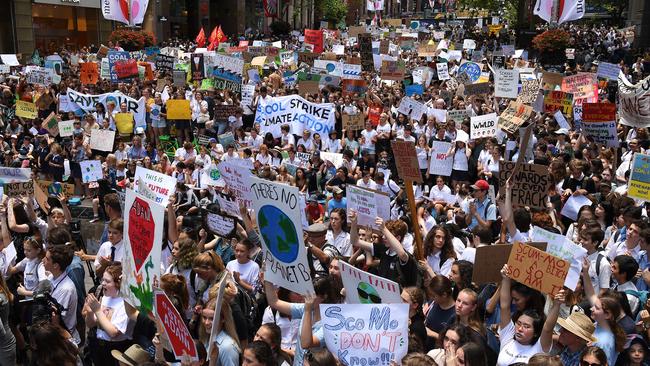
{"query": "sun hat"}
(580, 325)
(133, 356)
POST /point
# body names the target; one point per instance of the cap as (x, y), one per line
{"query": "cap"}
(211, 140)
(14, 136)
(312, 198)
(562, 131)
(139, 130)
(481, 185)
(317, 228)
(337, 190)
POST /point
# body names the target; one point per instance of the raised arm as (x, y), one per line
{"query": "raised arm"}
(307, 339)
(172, 229)
(590, 294)
(505, 298)
(392, 241)
(275, 303)
(354, 233)
(546, 338)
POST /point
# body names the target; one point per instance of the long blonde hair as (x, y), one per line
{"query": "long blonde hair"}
(228, 325)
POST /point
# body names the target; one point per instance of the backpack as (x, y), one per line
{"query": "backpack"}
(496, 224)
(249, 307)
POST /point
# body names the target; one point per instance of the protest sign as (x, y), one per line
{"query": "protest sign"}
(498, 61)
(143, 233)
(66, 128)
(411, 108)
(307, 57)
(608, 71)
(537, 269)
(335, 158)
(441, 163)
(278, 215)
(529, 91)
(599, 123)
(179, 78)
(489, 260)
(560, 246)
(414, 89)
(554, 100)
(551, 79)
(221, 225)
(530, 185)
(298, 113)
(197, 66)
(124, 123)
(102, 140)
(633, 106)
(308, 87)
(227, 202)
(472, 69)
(39, 75)
(406, 161)
(427, 50)
(457, 115)
(314, 37)
(366, 334)
(561, 121)
(366, 288)
(443, 71)
(126, 69)
(514, 116)
(483, 126)
(51, 124)
(352, 87)
(87, 103)
(216, 320)
(89, 73)
(223, 111)
(365, 51)
(178, 109)
(91, 170)
(26, 109)
(639, 184)
(580, 85)
(573, 205)
(55, 188)
(392, 70)
(179, 336)
(238, 181)
(164, 63)
(225, 139)
(18, 189)
(368, 204)
(351, 71)
(478, 88)
(162, 185)
(505, 83)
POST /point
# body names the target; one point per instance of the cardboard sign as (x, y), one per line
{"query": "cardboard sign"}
(55, 188)
(441, 163)
(175, 329)
(411, 108)
(366, 334)
(537, 269)
(639, 184)
(309, 86)
(26, 109)
(406, 161)
(19, 189)
(530, 185)
(505, 83)
(51, 124)
(162, 185)
(278, 215)
(178, 109)
(490, 259)
(91, 171)
(368, 204)
(351, 87)
(477, 89)
(551, 78)
(220, 225)
(66, 128)
(102, 140)
(514, 116)
(554, 100)
(392, 70)
(483, 126)
(143, 226)
(355, 122)
(529, 91)
(366, 288)
(89, 73)
(307, 58)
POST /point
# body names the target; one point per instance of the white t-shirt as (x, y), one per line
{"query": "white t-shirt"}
(34, 272)
(249, 272)
(512, 351)
(113, 308)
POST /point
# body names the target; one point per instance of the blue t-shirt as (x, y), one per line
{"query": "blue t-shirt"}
(332, 204)
(297, 311)
(607, 343)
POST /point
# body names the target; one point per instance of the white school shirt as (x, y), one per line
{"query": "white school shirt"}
(113, 308)
(33, 271)
(105, 251)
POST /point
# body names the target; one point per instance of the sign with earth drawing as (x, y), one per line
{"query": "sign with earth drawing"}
(143, 226)
(365, 288)
(277, 210)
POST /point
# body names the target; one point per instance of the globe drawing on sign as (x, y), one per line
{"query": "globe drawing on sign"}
(279, 233)
(368, 294)
(331, 67)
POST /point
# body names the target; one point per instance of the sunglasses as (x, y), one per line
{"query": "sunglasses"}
(373, 298)
(585, 363)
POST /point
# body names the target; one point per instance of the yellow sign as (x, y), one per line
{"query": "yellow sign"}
(124, 123)
(178, 109)
(494, 29)
(639, 186)
(26, 109)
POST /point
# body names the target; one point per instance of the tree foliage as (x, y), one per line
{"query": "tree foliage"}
(333, 10)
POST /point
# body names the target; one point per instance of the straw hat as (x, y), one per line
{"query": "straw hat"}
(580, 325)
(134, 355)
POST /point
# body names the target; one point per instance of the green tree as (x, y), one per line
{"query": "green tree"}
(615, 8)
(333, 10)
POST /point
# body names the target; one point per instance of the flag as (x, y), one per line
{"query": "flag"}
(213, 35)
(374, 5)
(216, 37)
(568, 10)
(270, 8)
(200, 38)
(221, 36)
(117, 10)
(137, 10)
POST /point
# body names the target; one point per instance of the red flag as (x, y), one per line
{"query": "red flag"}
(200, 38)
(220, 36)
(213, 35)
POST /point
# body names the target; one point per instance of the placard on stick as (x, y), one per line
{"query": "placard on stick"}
(490, 259)
(537, 269)
(529, 186)
(406, 161)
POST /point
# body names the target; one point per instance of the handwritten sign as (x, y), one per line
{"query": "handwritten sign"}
(537, 269)
(560, 246)
(19, 189)
(237, 181)
(580, 85)
(353, 122)
(554, 100)
(51, 124)
(126, 69)
(514, 116)
(406, 161)
(366, 334)
(478, 88)
(221, 225)
(89, 73)
(441, 163)
(505, 83)
(175, 329)
(529, 91)
(483, 126)
(490, 259)
(368, 204)
(639, 185)
(66, 128)
(365, 288)
(278, 213)
(162, 185)
(102, 140)
(608, 71)
(26, 109)
(599, 122)
(91, 171)
(530, 185)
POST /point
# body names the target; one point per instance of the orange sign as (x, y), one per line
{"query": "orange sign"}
(537, 269)
(406, 161)
(88, 73)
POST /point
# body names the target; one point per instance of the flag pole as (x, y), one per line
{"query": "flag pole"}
(555, 14)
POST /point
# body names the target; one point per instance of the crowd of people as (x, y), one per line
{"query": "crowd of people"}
(453, 321)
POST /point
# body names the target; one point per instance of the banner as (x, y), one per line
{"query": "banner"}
(366, 334)
(296, 112)
(441, 163)
(143, 226)
(406, 161)
(91, 171)
(639, 185)
(162, 185)
(26, 109)
(634, 109)
(530, 185)
(505, 83)
(179, 336)
(537, 269)
(599, 122)
(278, 213)
(483, 126)
(514, 116)
(568, 10)
(102, 140)
(315, 38)
(369, 205)
(86, 102)
(14, 175)
(365, 288)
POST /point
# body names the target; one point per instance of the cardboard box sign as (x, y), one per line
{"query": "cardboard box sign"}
(537, 269)
(490, 259)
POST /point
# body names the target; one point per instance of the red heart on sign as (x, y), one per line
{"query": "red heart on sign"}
(141, 231)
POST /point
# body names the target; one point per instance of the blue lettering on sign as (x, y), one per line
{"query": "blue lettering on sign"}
(473, 70)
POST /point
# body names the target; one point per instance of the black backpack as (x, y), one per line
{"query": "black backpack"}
(250, 309)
